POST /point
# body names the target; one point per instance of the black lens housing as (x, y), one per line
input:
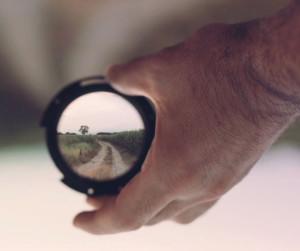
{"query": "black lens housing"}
(51, 119)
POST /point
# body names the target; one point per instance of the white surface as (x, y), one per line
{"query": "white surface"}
(261, 213)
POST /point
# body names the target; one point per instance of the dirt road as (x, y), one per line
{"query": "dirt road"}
(107, 164)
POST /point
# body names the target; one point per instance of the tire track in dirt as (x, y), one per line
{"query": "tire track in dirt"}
(107, 164)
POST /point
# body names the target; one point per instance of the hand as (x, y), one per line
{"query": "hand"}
(213, 124)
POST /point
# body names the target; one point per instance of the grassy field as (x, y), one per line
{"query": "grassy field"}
(78, 149)
(131, 141)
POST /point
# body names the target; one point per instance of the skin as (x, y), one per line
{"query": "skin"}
(222, 97)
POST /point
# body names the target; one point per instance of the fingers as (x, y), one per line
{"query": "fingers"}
(139, 201)
(193, 213)
(89, 221)
(172, 209)
(115, 216)
(176, 208)
(134, 77)
(98, 202)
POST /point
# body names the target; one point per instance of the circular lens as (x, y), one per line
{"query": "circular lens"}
(100, 136)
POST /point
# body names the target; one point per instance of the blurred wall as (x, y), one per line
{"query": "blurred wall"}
(45, 44)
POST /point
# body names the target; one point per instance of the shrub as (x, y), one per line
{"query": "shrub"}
(78, 149)
(130, 140)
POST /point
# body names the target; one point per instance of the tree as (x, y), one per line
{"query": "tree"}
(84, 129)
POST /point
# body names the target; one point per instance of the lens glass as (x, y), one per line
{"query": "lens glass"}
(100, 136)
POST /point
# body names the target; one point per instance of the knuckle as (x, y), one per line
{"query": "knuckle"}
(180, 174)
(186, 182)
(172, 209)
(184, 220)
(130, 223)
(166, 184)
(218, 180)
(151, 223)
(216, 190)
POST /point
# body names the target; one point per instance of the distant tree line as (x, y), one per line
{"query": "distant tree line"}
(67, 133)
(106, 133)
(99, 133)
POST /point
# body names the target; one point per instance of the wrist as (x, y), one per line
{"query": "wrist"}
(260, 102)
(275, 57)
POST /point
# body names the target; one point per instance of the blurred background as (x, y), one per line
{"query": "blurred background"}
(45, 44)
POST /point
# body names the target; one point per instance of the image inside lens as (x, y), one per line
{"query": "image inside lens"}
(100, 136)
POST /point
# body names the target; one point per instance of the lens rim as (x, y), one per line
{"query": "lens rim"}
(51, 119)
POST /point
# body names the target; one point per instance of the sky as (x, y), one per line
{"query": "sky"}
(101, 112)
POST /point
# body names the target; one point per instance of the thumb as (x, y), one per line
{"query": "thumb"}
(134, 77)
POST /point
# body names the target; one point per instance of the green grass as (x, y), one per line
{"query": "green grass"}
(78, 149)
(132, 141)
